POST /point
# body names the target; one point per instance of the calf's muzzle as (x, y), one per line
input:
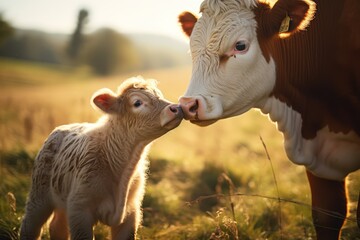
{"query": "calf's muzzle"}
(171, 116)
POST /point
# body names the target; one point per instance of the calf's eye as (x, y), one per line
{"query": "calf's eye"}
(241, 46)
(137, 103)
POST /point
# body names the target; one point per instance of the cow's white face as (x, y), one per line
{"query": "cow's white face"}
(230, 73)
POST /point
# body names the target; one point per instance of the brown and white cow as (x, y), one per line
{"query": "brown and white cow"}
(297, 61)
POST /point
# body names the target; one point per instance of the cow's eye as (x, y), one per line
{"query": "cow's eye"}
(241, 46)
(137, 103)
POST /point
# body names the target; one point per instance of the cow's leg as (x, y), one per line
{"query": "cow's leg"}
(59, 227)
(329, 202)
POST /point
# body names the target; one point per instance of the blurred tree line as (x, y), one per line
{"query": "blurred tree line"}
(5, 29)
(105, 51)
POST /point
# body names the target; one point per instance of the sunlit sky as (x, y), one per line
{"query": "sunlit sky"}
(125, 16)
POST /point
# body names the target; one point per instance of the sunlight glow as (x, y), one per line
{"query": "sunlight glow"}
(125, 16)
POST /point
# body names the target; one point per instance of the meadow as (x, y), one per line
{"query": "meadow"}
(231, 180)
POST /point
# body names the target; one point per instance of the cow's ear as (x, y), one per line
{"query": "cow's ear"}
(187, 21)
(290, 16)
(105, 100)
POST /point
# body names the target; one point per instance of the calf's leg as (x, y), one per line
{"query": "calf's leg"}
(127, 230)
(59, 227)
(358, 212)
(329, 202)
(81, 224)
(38, 210)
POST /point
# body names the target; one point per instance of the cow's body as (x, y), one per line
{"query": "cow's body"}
(319, 82)
(318, 71)
(308, 82)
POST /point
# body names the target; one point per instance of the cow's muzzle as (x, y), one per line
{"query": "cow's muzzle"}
(190, 106)
(200, 109)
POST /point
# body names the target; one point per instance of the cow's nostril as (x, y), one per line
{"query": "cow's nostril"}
(194, 107)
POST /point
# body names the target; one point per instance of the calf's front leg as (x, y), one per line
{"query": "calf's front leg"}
(127, 229)
(358, 212)
(81, 222)
(329, 202)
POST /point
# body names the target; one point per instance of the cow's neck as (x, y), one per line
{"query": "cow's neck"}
(303, 60)
(289, 122)
(329, 155)
(303, 68)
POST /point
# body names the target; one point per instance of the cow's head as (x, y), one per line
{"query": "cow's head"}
(233, 70)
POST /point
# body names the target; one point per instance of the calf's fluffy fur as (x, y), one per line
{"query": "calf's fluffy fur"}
(89, 172)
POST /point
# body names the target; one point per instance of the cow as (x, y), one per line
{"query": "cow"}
(298, 61)
(89, 172)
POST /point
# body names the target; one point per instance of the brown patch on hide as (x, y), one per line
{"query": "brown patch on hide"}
(317, 70)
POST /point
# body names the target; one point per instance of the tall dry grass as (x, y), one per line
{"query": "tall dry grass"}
(216, 182)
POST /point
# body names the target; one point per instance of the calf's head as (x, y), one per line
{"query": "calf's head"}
(139, 107)
(230, 45)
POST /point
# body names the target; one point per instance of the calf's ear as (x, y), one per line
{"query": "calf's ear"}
(105, 100)
(289, 16)
(187, 21)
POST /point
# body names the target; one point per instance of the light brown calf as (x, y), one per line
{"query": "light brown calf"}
(89, 172)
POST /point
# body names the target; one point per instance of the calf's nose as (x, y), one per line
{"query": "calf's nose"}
(175, 108)
(189, 106)
(171, 115)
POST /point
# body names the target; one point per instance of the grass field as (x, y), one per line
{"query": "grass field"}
(204, 183)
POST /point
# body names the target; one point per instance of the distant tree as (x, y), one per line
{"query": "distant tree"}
(77, 37)
(5, 29)
(107, 52)
(31, 46)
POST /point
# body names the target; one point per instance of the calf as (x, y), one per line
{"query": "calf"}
(89, 172)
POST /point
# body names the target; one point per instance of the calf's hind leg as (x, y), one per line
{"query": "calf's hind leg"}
(38, 210)
(59, 227)
(126, 230)
(329, 202)
(358, 212)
